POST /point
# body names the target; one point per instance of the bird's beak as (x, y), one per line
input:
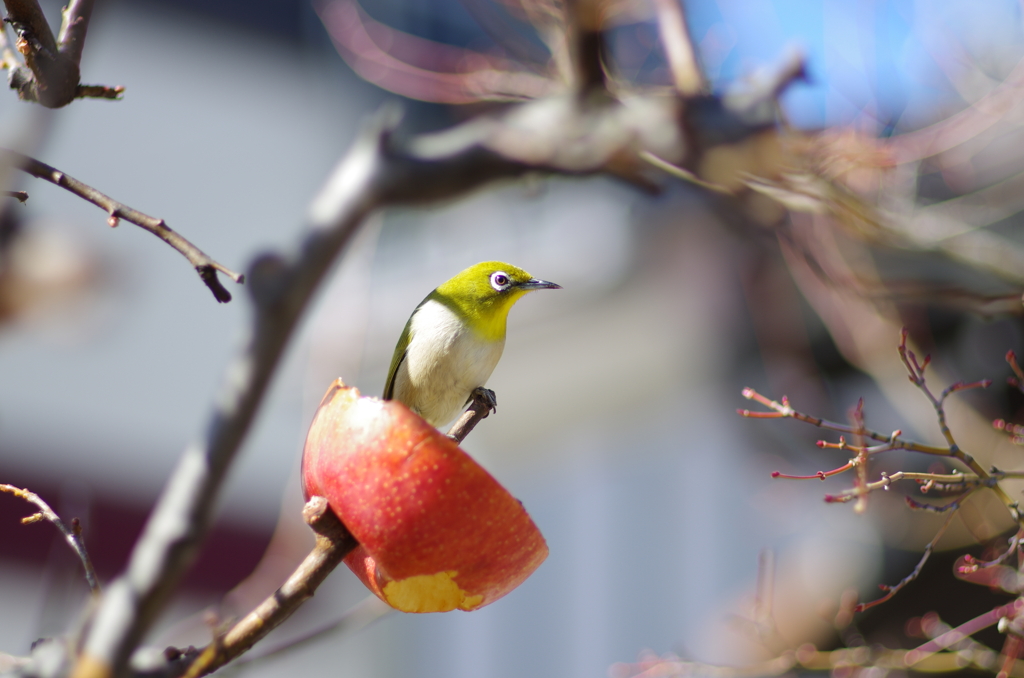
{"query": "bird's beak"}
(534, 284)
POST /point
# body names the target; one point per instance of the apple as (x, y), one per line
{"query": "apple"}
(436, 532)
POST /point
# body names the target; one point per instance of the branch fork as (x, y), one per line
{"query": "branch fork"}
(50, 74)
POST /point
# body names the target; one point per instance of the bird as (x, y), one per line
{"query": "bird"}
(454, 339)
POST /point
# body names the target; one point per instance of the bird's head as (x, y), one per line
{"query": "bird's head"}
(484, 293)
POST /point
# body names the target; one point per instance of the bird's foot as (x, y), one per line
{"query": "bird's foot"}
(486, 399)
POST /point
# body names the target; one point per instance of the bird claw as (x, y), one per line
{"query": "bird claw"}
(486, 398)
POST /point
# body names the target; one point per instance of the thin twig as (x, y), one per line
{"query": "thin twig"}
(961, 127)
(891, 441)
(20, 196)
(204, 265)
(820, 475)
(333, 543)
(72, 535)
(935, 508)
(480, 406)
(469, 77)
(784, 410)
(896, 588)
(99, 92)
(682, 173)
(860, 462)
(967, 483)
(942, 482)
(1018, 379)
(915, 372)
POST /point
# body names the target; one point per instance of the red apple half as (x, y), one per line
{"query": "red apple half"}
(436, 531)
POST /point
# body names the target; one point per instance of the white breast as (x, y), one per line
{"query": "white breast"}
(444, 362)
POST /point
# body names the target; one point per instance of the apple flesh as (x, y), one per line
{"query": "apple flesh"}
(436, 532)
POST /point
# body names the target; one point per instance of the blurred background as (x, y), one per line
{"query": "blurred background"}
(617, 422)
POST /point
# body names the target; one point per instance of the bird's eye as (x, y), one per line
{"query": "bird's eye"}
(499, 281)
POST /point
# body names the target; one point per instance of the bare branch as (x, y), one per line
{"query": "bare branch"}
(481, 405)
(784, 410)
(74, 26)
(204, 265)
(51, 73)
(35, 39)
(682, 173)
(98, 92)
(891, 591)
(354, 619)
(957, 129)
(675, 40)
(1018, 379)
(964, 483)
(941, 482)
(820, 475)
(971, 564)
(893, 440)
(333, 543)
(915, 372)
(860, 462)
(72, 535)
(980, 477)
(462, 76)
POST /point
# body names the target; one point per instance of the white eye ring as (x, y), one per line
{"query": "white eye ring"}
(500, 281)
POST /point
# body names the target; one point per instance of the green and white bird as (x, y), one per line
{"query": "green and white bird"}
(454, 339)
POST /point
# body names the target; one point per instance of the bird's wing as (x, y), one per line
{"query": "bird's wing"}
(400, 350)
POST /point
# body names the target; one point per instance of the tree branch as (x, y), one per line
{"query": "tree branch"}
(333, 543)
(679, 52)
(354, 619)
(481, 405)
(51, 72)
(585, 23)
(891, 591)
(204, 265)
(915, 372)
(74, 26)
(72, 535)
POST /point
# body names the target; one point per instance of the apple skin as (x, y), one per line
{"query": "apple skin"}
(436, 531)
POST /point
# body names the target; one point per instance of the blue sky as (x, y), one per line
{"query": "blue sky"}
(889, 58)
